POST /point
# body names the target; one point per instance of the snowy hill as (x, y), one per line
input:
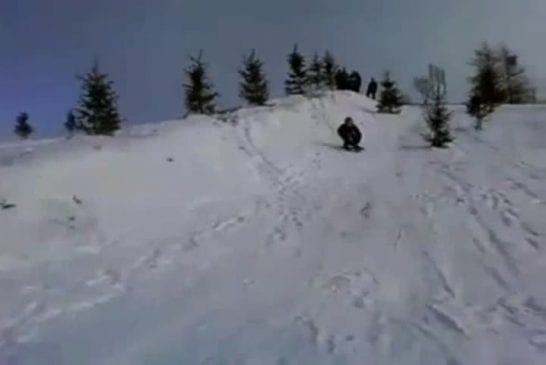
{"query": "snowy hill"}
(256, 240)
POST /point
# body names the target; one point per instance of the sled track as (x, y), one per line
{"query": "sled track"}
(319, 114)
(501, 247)
(288, 199)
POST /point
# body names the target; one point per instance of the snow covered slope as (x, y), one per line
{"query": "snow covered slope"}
(259, 241)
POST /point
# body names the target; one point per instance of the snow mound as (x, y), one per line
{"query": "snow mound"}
(253, 238)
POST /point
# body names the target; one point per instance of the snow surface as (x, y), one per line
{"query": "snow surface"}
(256, 240)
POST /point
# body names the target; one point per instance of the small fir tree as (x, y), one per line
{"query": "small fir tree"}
(436, 113)
(22, 127)
(355, 81)
(514, 83)
(254, 86)
(199, 94)
(391, 98)
(342, 79)
(437, 117)
(329, 68)
(296, 82)
(98, 112)
(486, 92)
(315, 74)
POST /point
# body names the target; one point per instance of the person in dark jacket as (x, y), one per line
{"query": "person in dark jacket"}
(350, 134)
(355, 81)
(372, 89)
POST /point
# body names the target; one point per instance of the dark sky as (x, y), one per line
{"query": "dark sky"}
(144, 44)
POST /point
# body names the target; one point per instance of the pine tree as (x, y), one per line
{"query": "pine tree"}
(315, 73)
(329, 70)
(342, 79)
(514, 83)
(70, 124)
(355, 81)
(97, 112)
(22, 128)
(436, 113)
(486, 92)
(391, 98)
(254, 86)
(486, 82)
(437, 117)
(200, 97)
(297, 76)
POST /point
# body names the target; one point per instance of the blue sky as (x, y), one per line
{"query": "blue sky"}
(144, 45)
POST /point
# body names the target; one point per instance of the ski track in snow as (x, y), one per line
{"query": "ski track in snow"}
(396, 255)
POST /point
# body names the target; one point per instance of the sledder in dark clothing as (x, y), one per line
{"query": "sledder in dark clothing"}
(350, 134)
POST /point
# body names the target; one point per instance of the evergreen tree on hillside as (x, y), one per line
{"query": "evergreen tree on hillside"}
(513, 81)
(70, 124)
(486, 92)
(22, 128)
(296, 82)
(315, 73)
(436, 113)
(342, 79)
(437, 117)
(391, 98)
(98, 112)
(254, 86)
(199, 95)
(355, 81)
(329, 68)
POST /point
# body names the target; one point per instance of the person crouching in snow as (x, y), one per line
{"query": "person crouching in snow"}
(350, 134)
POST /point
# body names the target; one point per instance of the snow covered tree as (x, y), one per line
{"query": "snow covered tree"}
(391, 98)
(436, 113)
(200, 97)
(70, 124)
(486, 92)
(254, 86)
(98, 112)
(329, 68)
(513, 81)
(315, 75)
(296, 82)
(22, 128)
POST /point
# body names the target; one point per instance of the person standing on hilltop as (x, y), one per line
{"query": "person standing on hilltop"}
(372, 89)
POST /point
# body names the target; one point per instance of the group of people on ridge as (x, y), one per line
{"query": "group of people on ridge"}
(348, 131)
